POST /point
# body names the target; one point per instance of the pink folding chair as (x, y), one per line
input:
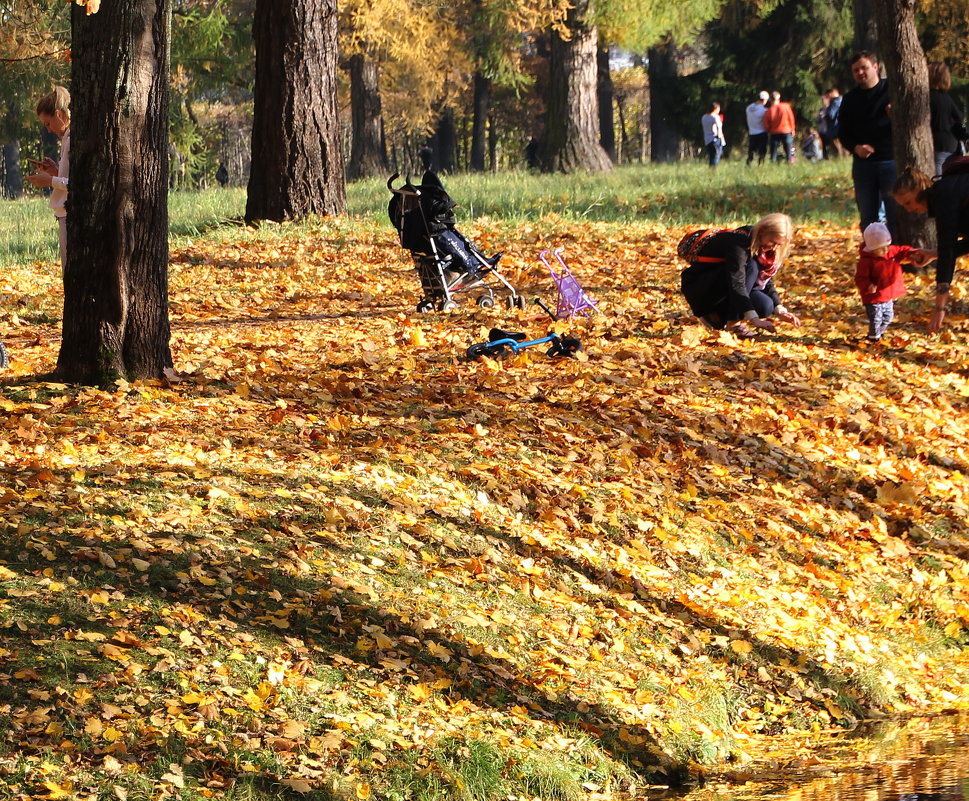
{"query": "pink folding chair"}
(572, 299)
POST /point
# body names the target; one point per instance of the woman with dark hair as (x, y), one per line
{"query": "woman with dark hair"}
(947, 201)
(946, 119)
(729, 283)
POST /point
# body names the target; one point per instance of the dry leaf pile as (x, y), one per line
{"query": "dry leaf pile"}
(337, 549)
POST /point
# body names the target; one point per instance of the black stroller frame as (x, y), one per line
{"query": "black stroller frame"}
(422, 216)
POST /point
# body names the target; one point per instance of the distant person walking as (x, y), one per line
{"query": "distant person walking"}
(54, 113)
(865, 129)
(946, 118)
(713, 140)
(756, 132)
(780, 125)
(828, 123)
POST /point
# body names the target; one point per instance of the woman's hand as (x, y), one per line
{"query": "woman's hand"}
(788, 317)
(938, 315)
(42, 179)
(921, 257)
(760, 322)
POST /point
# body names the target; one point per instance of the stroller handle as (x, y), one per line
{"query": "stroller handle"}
(390, 181)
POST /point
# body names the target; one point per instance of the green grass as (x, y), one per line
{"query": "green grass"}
(671, 194)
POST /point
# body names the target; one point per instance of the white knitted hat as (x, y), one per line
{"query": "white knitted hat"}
(877, 235)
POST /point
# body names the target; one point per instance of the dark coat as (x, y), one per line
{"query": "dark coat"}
(948, 201)
(946, 122)
(721, 286)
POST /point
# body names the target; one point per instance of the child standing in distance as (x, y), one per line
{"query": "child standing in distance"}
(54, 112)
(879, 276)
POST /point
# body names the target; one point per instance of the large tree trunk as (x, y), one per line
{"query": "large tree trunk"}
(297, 164)
(606, 94)
(572, 133)
(368, 154)
(664, 136)
(479, 121)
(116, 276)
(865, 28)
(908, 83)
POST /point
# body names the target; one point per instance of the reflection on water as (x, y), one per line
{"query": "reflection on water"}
(919, 760)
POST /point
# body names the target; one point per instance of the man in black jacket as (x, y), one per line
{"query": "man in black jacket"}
(865, 130)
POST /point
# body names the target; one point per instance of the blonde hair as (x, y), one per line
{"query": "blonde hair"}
(776, 227)
(57, 100)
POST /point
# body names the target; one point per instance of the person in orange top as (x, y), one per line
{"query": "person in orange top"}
(779, 122)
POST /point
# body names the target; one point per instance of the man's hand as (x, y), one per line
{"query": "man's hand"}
(863, 151)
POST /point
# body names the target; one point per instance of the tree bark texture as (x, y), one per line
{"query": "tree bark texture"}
(116, 277)
(481, 105)
(908, 84)
(572, 131)
(606, 93)
(664, 136)
(297, 163)
(368, 154)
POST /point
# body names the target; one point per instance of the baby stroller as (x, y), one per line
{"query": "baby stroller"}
(446, 262)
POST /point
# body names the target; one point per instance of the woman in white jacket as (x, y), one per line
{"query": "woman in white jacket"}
(54, 112)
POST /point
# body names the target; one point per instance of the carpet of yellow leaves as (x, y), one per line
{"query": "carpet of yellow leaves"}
(336, 545)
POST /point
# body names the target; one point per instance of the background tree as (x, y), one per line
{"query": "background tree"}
(654, 27)
(116, 276)
(401, 55)
(572, 128)
(297, 162)
(211, 79)
(908, 84)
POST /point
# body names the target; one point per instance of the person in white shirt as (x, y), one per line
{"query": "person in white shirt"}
(54, 113)
(757, 133)
(713, 139)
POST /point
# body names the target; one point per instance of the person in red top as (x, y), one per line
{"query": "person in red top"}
(879, 276)
(779, 122)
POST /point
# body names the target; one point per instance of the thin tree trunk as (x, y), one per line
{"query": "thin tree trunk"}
(664, 136)
(606, 94)
(297, 163)
(13, 177)
(481, 107)
(493, 143)
(445, 142)
(572, 134)
(908, 84)
(865, 27)
(368, 154)
(116, 276)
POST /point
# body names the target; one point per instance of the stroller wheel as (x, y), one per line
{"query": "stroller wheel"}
(516, 302)
(486, 302)
(4, 359)
(447, 305)
(425, 306)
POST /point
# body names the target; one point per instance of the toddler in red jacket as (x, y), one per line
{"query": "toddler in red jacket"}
(879, 276)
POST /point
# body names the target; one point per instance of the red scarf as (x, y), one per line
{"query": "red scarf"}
(768, 266)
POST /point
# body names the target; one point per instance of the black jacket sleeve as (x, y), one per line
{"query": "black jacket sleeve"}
(948, 201)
